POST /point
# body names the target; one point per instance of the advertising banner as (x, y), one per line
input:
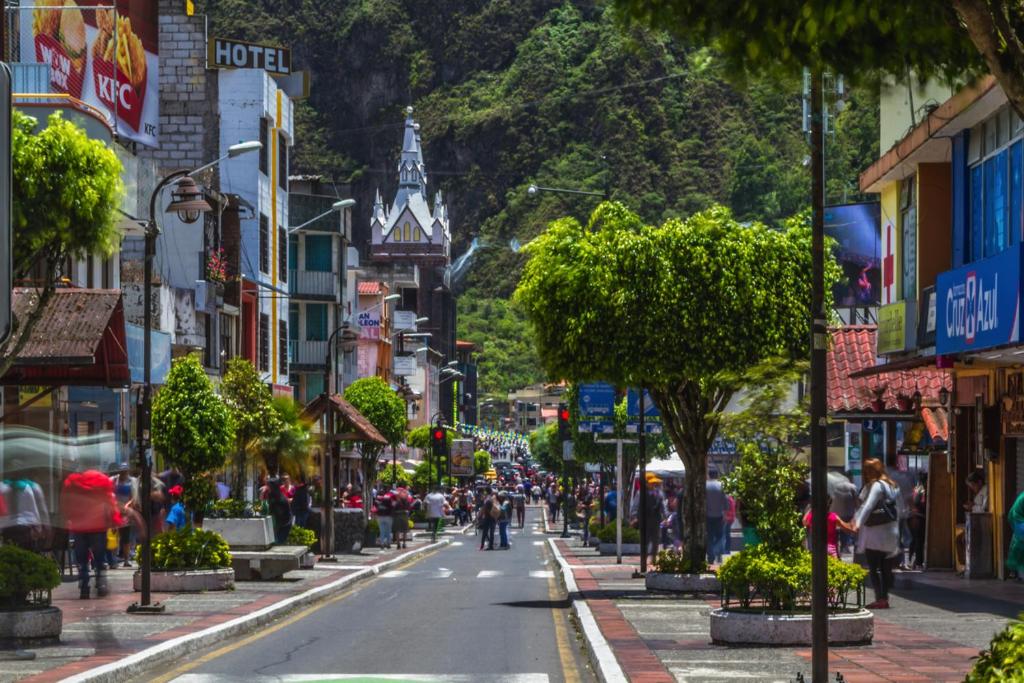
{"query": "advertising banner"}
(978, 305)
(108, 59)
(891, 327)
(462, 458)
(369, 324)
(404, 321)
(854, 229)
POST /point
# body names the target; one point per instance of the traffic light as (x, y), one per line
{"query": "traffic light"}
(564, 431)
(438, 440)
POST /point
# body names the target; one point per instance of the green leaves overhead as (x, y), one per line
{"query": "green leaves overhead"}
(646, 305)
(379, 404)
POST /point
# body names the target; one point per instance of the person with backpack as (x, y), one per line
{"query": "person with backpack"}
(504, 517)
(877, 528)
(488, 519)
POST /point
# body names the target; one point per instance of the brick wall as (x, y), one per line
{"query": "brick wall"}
(188, 93)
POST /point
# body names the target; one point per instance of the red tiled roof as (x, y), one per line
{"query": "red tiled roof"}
(369, 288)
(852, 349)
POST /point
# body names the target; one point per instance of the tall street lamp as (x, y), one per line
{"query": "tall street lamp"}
(448, 373)
(187, 201)
(333, 450)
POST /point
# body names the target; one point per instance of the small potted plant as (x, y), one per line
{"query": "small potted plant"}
(301, 536)
(630, 540)
(26, 582)
(673, 571)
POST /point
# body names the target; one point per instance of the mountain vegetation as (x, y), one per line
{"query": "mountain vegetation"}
(557, 93)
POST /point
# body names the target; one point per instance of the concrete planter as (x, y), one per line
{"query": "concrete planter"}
(308, 561)
(627, 548)
(594, 542)
(731, 627)
(188, 581)
(32, 625)
(250, 533)
(683, 583)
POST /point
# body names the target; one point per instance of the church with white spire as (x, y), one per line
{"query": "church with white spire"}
(410, 229)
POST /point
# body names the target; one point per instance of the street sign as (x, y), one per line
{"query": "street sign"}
(405, 366)
(652, 418)
(6, 238)
(568, 454)
(404, 321)
(597, 408)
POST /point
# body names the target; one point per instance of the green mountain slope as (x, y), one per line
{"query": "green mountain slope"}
(514, 92)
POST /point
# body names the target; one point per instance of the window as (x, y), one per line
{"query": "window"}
(318, 253)
(227, 345)
(107, 273)
(265, 149)
(282, 347)
(416, 234)
(264, 342)
(908, 229)
(977, 214)
(316, 322)
(282, 162)
(1016, 191)
(314, 386)
(996, 204)
(90, 280)
(209, 337)
(264, 244)
(396, 234)
(282, 254)
(407, 233)
(995, 185)
(293, 320)
(293, 252)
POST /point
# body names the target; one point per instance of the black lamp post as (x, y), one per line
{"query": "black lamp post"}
(188, 203)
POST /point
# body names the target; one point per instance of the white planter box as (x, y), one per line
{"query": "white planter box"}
(730, 627)
(38, 624)
(255, 533)
(627, 549)
(682, 583)
(188, 581)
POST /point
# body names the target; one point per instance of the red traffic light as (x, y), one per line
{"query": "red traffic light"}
(563, 414)
(438, 434)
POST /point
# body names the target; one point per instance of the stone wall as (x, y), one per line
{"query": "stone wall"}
(188, 93)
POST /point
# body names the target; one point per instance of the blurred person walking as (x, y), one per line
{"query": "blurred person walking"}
(89, 506)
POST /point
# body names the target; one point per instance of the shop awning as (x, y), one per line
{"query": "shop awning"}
(355, 425)
(80, 339)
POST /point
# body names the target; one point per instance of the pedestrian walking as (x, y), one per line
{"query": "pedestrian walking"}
(1015, 558)
(655, 513)
(833, 523)
(554, 498)
(126, 493)
(302, 502)
(519, 502)
(586, 510)
(918, 520)
(716, 506)
(280, 510)
(87, 499)
(487, 519)
(383, 507)
(437, 507)
(877, 527)
(176, 517)
(400, 517)
(504, 517)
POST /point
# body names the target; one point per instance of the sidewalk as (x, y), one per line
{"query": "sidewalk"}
(99, 632)
(937, 623)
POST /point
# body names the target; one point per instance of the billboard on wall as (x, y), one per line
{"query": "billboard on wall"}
(108, 59)
(855, 229)
(462, 458)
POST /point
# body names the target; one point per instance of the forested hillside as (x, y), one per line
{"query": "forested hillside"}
(514, 92)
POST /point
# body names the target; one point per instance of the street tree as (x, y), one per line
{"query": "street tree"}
(250, 402)
(948, 38)
(481, 462)
(286, 448)
(192, 428)
(66, 189)
(385, 410)
(682, 309)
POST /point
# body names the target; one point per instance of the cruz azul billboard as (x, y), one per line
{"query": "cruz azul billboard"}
(106, 58)
(978, 305)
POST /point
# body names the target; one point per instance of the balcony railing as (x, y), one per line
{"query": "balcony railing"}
(307, 352)
(322, 285)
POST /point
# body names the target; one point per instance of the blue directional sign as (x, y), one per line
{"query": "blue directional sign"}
(597, 407)
(652, 418)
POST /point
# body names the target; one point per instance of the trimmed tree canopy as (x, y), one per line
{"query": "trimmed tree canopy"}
(379, 404)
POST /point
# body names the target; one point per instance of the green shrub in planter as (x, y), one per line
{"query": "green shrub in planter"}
(782, 578)
(190, 548)
(671, 561)
(1004, 658)
(301, 536)
(231, 508)
(373, 528)
(629, 534)
(26, 578)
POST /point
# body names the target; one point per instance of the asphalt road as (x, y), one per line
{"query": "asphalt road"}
(458, 614)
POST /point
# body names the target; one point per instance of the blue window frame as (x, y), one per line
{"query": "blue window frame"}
(996, 201)
(977, 212)
(1016, 191)
(318, 253)
(316, 322)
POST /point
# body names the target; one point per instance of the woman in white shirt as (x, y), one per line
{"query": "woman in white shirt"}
(878, 534)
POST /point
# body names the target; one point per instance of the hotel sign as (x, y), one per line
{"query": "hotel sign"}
(225, 53)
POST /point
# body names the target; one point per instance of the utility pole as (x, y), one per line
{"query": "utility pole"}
(819, 409)
(642, 441)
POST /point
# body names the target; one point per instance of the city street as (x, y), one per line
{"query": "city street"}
(457, 614)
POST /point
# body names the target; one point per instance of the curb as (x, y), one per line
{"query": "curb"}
(601, 654)
(134, 665)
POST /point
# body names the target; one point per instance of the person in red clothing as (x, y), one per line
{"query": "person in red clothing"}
(89, 506)
(832, 526)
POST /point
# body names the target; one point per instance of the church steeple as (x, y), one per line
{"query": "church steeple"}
(412, 172)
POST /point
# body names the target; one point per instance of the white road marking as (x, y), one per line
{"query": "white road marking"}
(489, 574)
(394, 574)
(538, 542)
(542, 574)
(442, 574)
(456, 543)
